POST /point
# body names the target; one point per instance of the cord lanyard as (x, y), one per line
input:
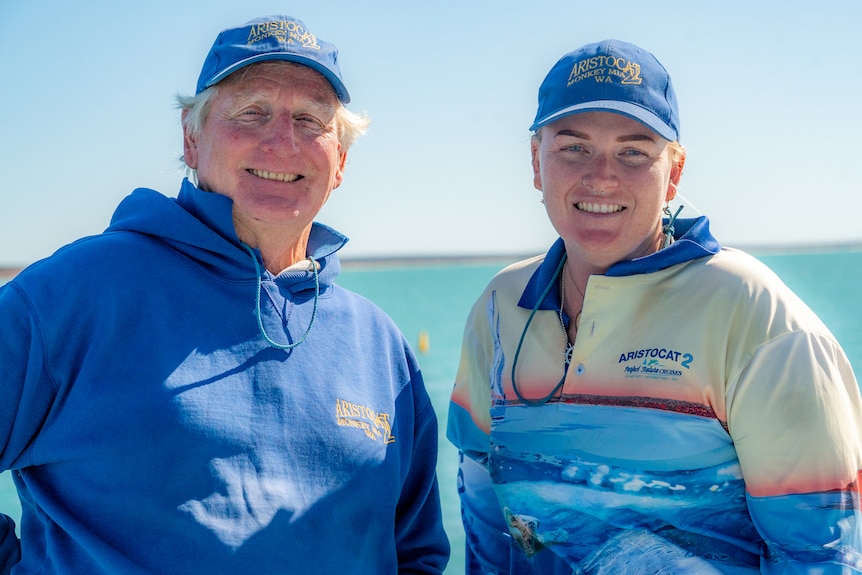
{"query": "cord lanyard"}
(547, 398)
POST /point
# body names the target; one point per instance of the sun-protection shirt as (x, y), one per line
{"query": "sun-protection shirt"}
(708, 422)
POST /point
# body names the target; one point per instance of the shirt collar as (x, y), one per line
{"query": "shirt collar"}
(692, 240)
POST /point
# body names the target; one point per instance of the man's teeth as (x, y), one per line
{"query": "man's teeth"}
(275, 176)
(598, 208)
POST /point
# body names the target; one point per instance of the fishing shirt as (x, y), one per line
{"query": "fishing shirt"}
(708, 422)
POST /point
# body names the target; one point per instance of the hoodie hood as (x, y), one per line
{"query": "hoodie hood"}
(199, 224)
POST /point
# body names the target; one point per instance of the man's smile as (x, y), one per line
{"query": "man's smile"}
(274, 175)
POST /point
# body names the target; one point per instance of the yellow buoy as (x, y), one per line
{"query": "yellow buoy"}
(424, 342)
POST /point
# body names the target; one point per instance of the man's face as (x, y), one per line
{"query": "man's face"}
(270, 143)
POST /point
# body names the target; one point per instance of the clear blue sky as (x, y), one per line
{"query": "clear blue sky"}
(769, 95)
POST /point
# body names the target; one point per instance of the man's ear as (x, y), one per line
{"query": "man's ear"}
(190, 147)
(339, 173)
(537, 173)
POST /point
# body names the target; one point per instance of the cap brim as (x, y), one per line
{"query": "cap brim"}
(337, 85)
(634, 112)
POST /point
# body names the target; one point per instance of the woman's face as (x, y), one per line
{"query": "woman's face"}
(580, 154)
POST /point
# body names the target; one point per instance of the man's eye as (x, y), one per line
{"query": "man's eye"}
(312, 124)
(309, 119)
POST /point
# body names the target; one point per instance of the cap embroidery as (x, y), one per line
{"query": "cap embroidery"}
(285, 31)
(603, 68)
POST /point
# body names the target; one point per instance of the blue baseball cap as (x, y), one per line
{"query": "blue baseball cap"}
(271, 38)
(610, 76)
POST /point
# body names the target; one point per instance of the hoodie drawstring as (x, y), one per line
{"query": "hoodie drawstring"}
(260, 327)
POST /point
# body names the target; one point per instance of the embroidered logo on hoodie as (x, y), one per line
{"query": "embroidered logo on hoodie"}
(376, 425)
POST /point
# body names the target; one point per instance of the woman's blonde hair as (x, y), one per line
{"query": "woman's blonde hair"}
(677, 152)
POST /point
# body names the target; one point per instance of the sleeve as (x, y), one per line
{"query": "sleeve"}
(22, 406)
(795, 414)
(26, 390)
(10, 549)
(487, 541)
(489, 547)
(420, 539)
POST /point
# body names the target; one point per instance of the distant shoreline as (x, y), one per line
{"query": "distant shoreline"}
(361, 262)
(492, 258)
(430, 260)
(482, 259)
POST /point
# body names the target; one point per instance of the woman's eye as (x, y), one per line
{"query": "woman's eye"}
(634, 156)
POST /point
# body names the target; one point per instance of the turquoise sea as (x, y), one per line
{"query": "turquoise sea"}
(430, 299)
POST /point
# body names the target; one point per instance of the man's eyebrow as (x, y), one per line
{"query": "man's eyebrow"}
(318, 102)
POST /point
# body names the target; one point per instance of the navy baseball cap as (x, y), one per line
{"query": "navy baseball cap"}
(271, 38)
(610, 76)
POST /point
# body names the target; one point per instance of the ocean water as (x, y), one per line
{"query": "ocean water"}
(430, 300)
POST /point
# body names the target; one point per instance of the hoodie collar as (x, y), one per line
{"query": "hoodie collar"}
(216, 210)
(200, 225)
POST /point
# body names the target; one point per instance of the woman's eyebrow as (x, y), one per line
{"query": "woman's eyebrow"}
(636, 137)
(572, 133)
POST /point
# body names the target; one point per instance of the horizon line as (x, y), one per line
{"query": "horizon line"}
(426, 258)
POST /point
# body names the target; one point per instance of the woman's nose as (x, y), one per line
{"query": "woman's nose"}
(599, 178)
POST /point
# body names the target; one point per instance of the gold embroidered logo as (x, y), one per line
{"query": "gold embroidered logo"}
(286, 31)
(376, 426)
(605, 69)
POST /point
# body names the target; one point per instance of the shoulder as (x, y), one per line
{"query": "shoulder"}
(739, 264)
(513, 279)
(83, 257)
(754, 293)
(362, 313)
(729, 272)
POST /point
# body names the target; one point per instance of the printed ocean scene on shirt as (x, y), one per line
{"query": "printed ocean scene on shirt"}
(558, 493)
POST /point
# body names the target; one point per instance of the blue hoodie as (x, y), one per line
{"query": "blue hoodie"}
(152, 428)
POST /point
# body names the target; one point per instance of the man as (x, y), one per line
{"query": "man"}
(189, 392)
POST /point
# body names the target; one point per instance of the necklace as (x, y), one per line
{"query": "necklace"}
(569, 345)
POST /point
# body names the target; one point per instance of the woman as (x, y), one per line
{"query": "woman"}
(640, 399)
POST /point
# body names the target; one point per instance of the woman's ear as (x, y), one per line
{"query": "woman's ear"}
(675, 175)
